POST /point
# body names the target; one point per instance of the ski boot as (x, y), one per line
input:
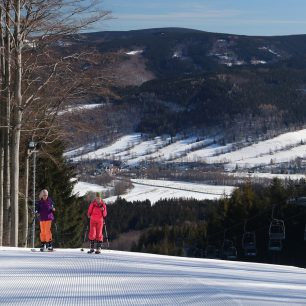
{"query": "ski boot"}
(50, 246)
(92, 245)
(98, 249)
(42, 246)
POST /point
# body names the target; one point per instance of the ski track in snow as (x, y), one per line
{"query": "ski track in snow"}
(71, 277)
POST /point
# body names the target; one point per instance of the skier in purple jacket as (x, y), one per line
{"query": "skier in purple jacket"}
(45, 209)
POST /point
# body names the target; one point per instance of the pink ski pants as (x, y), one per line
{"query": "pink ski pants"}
(95, 230)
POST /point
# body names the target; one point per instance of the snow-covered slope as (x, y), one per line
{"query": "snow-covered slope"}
(136, 148)
(71, 277)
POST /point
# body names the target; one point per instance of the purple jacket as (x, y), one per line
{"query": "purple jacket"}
(44, 208)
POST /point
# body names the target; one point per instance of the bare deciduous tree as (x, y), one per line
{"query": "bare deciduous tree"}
(37, 79)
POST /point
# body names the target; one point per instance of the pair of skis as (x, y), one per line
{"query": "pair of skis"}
(88, 252)
(44, 251)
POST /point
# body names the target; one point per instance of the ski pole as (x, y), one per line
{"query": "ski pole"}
(56, 229)
(56, 232)
(106, 235)
(30, 228)
(85, 234)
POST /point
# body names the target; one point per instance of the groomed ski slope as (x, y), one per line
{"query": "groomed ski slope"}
(72, 277)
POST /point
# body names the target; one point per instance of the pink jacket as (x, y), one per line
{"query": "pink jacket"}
(97, 211)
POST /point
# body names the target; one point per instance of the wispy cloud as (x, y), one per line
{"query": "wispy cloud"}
(180, 15)
(148, 5)
(273, 21)
(230, 17)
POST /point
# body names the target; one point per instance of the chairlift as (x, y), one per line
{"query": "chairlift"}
(248, 240)
(229, 251)
(275, 245)
(249, 244)
(277, 230)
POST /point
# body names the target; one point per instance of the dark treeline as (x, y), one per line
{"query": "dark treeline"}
(187, 227)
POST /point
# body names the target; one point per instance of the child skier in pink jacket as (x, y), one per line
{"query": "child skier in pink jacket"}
(96, 212)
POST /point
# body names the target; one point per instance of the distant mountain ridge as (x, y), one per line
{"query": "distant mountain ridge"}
(201, 51)
(178, 79)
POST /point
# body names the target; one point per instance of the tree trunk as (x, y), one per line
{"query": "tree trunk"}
(25, 220)
(15, 140)
(1, 184)
(6, 137)
(6, 192)
(2, 124)
(16, 127)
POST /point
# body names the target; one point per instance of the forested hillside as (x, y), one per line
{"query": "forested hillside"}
(172, 80)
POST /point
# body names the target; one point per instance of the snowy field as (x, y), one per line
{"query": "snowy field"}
(72, 277)
(81, 188)
(155, 190)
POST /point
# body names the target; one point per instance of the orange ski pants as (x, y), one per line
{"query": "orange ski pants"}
(45, 231)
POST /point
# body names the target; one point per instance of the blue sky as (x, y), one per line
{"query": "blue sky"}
(247, 17)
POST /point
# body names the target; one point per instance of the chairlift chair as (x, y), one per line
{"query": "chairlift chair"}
(248, 240)
(249, 244)
(277, 230)
(275, 245)
(229, 251)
